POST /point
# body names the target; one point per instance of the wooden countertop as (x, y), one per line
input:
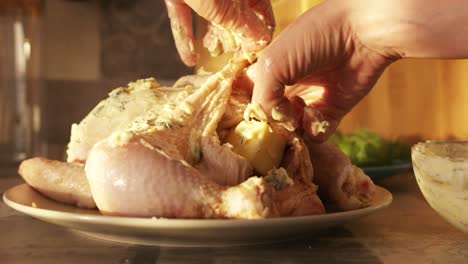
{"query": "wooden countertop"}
(409, 231)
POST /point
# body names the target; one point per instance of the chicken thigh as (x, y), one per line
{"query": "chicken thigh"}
(137, 179)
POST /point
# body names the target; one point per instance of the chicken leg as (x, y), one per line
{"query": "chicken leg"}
(137, 179)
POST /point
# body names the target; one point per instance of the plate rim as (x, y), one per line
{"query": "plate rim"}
(179, 224)
(406, 165)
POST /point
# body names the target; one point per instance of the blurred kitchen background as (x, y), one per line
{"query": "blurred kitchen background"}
(91, 47)
(80, 50)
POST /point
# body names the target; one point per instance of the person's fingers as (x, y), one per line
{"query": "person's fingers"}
(292, 56)
(308, 93)
(321, 117)
(245, 80)
(251, 24)
(316, 125)
(342, 90)
(264, 11)
(181, 25)
(329, 96)
(328, 55)
(217, 41)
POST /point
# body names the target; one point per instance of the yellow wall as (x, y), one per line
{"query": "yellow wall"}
(287, 10)
(426, 99)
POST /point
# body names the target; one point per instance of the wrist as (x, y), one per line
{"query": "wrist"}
(378, 26)
(412, 28)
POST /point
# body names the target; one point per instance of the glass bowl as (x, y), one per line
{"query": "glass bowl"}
(441, 170)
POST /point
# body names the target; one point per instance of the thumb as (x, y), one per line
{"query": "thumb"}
(308, 45)
(181, 26)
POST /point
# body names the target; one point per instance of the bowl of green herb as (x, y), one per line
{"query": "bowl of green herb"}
(378, 157)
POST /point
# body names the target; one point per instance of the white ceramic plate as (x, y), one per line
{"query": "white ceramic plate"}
(179, 232)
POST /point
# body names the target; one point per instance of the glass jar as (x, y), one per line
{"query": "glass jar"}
(19, 77)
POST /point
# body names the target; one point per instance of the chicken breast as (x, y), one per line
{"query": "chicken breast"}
(117, 112)
(123, 106)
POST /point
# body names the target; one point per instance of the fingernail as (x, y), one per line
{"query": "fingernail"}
(314, 121)
(254, 111)
(282, 111)
(285, 114)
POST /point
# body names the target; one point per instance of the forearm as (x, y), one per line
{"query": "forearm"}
(411, 28)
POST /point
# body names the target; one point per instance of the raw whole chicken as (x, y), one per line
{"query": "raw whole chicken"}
(162, 151)
(165, 152)
(167, 159)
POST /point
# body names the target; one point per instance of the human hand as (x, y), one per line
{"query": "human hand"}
(245, 25)
(322, 60)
